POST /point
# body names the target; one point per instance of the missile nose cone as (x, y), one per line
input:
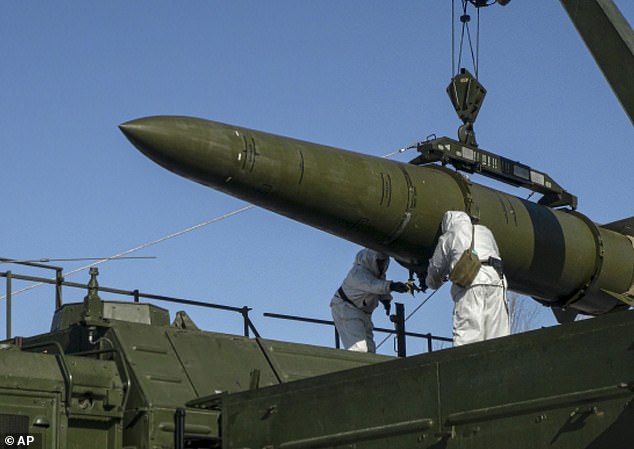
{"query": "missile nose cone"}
(152, 136)
(132, 129)
(194, 148)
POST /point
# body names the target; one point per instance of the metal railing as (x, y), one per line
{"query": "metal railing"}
(248, 327)
(399, 329)
(59, 282)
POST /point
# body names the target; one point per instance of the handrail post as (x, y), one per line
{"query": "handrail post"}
(8, 298)
(59, 281)
(245, 317)
(179, 428)
(399, 325)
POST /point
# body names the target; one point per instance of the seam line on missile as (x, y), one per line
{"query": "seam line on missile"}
(386, 192)
(407, 215)
(301, 166)
(250, 153)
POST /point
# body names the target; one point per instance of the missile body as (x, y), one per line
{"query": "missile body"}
(557, 256)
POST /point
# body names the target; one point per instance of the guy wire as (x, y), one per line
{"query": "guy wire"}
(162, 239)
(138, 248)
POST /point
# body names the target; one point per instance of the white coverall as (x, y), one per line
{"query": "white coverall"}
(480, 311)
(365, 285)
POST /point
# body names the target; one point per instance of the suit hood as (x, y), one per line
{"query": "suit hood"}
(454, 218)
(367, 258)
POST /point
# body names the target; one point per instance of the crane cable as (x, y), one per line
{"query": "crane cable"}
(465, 19)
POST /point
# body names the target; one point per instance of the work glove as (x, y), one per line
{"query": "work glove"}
(399, 287)
(413, 288)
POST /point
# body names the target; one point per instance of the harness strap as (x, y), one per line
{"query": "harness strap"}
(343, 296)
(496, 264)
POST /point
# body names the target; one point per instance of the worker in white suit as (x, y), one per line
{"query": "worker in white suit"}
(480, 309)
(360, 293)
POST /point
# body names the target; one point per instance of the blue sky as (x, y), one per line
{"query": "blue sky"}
(368, 76)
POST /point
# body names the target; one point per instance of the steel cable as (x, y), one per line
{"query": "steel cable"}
(138, 248)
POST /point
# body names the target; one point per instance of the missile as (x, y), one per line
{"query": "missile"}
(558, 256)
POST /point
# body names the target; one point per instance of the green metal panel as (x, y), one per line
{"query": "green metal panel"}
(27, 371)
(71, 314)
(293, 361)
(40, 411)
(84, 434)
(217, 363)
(70, 402)
(361, 406)
(534, 390)
(540, 388)
(155, 428)
(172, 366)
(158, 376)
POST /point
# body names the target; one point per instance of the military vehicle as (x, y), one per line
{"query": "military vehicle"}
(119, 375)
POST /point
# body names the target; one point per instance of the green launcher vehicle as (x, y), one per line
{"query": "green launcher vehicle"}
(125, 375)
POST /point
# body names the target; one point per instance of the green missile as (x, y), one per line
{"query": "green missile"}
(558, 256)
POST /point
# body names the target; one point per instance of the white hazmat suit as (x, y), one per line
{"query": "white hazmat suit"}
(363, 288)
(480, 311)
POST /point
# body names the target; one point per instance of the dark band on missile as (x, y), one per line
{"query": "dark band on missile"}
(250, 153)
(549, 247)
(301, 167)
